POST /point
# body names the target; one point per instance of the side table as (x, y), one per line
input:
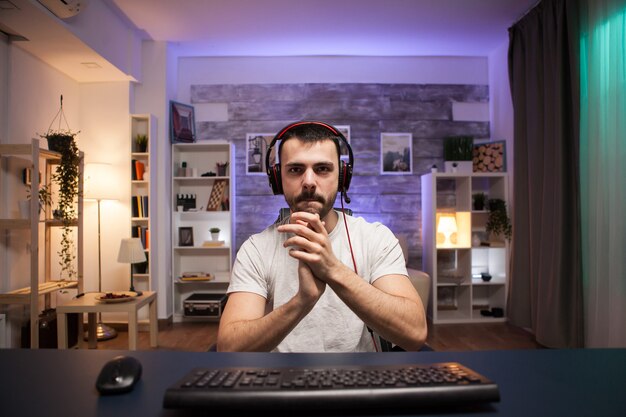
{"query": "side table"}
(88, 304)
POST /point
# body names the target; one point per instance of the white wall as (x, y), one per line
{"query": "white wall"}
(104, 138)
(152, 96)
(34, 91)
(109, 35)
(4, 86)
(501, 107)
(31, 91)
(253, 70)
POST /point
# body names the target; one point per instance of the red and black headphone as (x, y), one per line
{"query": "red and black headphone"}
(345, 169)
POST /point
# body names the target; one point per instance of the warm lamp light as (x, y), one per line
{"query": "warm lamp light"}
(98, 184)
(131, 252)
(447, 229)
(98, 187)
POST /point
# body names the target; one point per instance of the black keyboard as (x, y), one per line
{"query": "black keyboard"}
(406, 387)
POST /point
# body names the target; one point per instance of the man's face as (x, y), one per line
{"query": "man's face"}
(310, 175)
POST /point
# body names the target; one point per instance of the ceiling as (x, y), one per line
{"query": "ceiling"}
(328, 27)
(275, 28)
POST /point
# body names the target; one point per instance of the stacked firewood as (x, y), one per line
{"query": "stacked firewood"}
(489, 157)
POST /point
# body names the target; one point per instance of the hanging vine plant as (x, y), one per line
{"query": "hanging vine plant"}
(67, 177)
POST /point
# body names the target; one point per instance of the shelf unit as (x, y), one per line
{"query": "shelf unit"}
(193, 256)
(15, 158)
(458, 292)
(140, 192)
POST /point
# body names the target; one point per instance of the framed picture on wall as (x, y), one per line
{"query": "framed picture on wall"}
(256, 150)
(489, 157)
(345, 131)
(396, 153)
(185, 236)
(182, 123)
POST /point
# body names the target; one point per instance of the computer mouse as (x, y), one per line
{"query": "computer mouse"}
(118, 375)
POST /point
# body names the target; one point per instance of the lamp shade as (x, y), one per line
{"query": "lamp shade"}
(99, 181)
(447, 229)
(131, 251)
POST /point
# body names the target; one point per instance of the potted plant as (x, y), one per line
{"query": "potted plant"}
(498, 221)
(221, 168)
(142, 142)
(67, 177)
(479, 200)
(458, 153)
(215, 233)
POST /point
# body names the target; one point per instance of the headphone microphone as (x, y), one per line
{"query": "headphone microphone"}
(346, 198)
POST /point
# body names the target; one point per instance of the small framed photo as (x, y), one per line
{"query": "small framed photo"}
(182, 123)
(345, 131)
(256, 150)
(396, 153)
(489, 157)
(185, 236)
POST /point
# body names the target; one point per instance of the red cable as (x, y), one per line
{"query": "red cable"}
(345, 223)
(348, 233)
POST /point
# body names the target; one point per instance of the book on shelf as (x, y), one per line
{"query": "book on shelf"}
(137, 168)
(143, 233)
(140, 206)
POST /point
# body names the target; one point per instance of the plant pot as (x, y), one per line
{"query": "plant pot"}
(58, 143)
(461, 167)
(215, 236)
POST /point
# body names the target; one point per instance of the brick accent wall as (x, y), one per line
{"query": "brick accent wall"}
(369, 109)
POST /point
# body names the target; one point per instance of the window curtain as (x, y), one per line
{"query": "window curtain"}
(545, 291)
(603, 170)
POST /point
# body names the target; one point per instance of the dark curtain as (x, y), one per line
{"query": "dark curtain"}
(546, 259)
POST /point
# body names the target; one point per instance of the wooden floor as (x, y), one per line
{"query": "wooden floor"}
(198, 337)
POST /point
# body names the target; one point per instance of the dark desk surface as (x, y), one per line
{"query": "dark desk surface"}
(532, 382)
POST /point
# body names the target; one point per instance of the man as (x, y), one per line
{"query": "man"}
(294, 287)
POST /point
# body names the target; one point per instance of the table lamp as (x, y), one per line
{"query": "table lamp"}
(132, 252)
(447, 229)
(98, 187)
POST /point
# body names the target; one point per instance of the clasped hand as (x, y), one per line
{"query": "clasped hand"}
(310, 244)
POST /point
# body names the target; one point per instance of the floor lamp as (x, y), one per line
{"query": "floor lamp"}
(98, 188)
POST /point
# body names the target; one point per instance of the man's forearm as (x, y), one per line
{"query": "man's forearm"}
(398, 319)
(265, 333)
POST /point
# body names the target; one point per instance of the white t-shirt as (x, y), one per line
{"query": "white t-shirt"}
(263, 266)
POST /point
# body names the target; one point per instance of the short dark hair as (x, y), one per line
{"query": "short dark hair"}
(310, 133)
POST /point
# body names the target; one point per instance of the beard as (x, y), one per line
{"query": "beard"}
(302, 200)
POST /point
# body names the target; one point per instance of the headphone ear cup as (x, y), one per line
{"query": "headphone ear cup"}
(342, 168)
(275, 180)
(345, 176)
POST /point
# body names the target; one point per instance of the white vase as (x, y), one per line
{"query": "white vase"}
(461, 167)
(215, 236)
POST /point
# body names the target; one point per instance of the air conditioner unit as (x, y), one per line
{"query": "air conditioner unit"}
(64, 8)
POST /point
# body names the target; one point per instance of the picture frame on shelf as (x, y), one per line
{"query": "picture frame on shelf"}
(396, 153)
(185, 236)
(343, 149)
(489, 157)
(182, 123)
(256, 150)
